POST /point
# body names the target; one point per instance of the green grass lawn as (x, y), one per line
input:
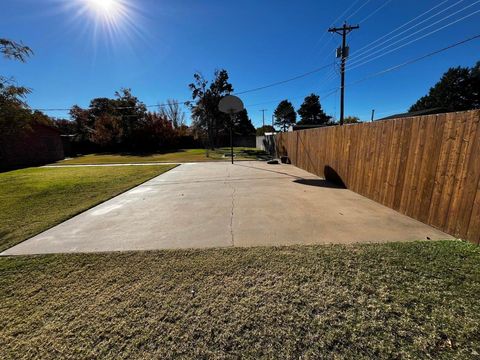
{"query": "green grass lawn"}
(403, 300)
(186, 155)
(35, 199)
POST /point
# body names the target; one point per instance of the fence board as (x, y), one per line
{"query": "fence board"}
(473, 232)
(431, 160)
(469, 174)
(426, 167)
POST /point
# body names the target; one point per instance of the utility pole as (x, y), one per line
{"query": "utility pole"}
(343, 54)
(263, 117)
(373, 114)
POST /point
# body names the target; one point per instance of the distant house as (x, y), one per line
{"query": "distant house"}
(40, 144)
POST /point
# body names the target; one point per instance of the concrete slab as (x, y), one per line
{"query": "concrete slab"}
(201, 205)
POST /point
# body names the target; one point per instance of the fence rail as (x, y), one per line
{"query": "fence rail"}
(426, 167)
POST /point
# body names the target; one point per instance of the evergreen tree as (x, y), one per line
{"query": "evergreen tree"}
(285, 115)
(457, 90)
(311, 111)
(243, 125)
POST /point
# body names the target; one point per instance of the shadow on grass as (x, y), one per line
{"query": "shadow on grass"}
(130, 153)
(259, 154)
(144, 154)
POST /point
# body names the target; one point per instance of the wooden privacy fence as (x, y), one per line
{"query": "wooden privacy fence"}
(426, 167)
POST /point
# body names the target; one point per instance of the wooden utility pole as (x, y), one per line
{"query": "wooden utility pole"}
(373, 114)
(263, 117)
(342, 53)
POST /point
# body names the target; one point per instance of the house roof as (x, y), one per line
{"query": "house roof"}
(415, 113)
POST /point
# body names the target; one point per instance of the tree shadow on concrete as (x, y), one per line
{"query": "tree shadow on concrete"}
(318, 183)
(332, 176)
(332, 180)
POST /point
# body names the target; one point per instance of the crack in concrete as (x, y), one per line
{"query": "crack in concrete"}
(231, 217)
(232, 213)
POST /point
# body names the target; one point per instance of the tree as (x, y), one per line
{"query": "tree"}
(122, 123)
(132, 111)
(9, 92)
(457, 90)
(14, 114)
(108, 131)
(243, 125)
(205, 114)
(265, 129)
(311, 111)
(285, 115)
(13, 50)
(351, 120)
(111, 122)
(84, 123)
(173, 113)
(155, 132)
(66, 127)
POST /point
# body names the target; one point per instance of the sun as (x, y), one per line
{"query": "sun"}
(105, 6)
(109, 23)
(112, 10)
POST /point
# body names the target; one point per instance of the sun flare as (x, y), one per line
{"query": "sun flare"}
(107, 21)
(111, 10)
(105, 6)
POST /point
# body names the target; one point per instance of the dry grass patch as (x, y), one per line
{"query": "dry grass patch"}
(408, 300)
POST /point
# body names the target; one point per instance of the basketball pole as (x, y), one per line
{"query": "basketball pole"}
(231, 135)
(231, 105)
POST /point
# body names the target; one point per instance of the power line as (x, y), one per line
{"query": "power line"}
(346, 11)
(360, 58)
(320, 68)
(327, 95)
(393, 68)
(314, 71)
(360, 8)
(401, 26)
(337, 19)
(281, 82)
(116, 108)
(414, 40)
(416, 59)
(376, 11)
(360, 52)
(325, 44)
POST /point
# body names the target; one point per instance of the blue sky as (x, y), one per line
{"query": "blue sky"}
(157, 45)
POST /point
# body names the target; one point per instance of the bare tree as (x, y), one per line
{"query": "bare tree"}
(13, 50)
(14, 114)
(174, 113)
